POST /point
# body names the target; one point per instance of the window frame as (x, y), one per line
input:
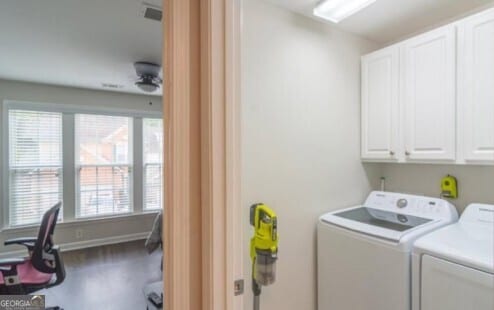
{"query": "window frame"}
(69, 189)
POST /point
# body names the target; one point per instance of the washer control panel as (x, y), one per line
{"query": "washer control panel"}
(405, 204)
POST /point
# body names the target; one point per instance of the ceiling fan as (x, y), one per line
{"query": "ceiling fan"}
(148, 76)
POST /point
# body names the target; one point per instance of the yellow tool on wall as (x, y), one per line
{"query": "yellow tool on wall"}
(449, 187)
(263, 248)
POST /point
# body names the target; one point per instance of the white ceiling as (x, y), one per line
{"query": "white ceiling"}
(81, 43)
(85, 43)
(389, 20)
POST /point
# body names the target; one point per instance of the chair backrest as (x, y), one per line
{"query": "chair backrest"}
(42, 256)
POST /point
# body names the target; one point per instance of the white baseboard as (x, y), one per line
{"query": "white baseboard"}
(103, 241)
(77, 245)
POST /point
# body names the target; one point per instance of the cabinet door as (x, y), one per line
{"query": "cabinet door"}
(476, 86)
(380, 111)
(429, 85)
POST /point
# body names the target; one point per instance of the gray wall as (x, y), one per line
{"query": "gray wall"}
(301, 140)
(93, 230)
(475, 183)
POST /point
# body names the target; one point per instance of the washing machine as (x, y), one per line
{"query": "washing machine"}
(453, 267)
(364, 252)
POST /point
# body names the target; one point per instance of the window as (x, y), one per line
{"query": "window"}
(100, 162)
(153, 163)
(35, 164)
(103, 158)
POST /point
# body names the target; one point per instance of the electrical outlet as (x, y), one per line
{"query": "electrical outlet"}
(79, 234)
(238, 287)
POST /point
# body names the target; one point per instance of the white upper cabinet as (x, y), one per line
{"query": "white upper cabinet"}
(380, 105)
(476, 87)
(429, 96)
(430, 99)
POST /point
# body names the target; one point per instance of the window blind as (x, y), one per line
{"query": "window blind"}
(35, 164)
(104, 164)
(153, 159)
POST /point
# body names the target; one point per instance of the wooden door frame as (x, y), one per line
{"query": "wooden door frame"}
(202, 220)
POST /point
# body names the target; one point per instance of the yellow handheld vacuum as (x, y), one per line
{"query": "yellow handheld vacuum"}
(263, 248)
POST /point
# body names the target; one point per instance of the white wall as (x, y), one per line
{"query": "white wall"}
(301, 141)
(128, 226)
(475, 183)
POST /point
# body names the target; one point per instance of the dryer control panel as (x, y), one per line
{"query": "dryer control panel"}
(422, 206)
(478, 213)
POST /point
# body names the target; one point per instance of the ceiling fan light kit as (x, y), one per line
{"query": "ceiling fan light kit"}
(148, 76)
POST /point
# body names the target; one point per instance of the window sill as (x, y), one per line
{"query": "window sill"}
(85, 221)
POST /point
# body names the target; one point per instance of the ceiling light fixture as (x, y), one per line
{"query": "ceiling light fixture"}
(337, 10)
(148, 76)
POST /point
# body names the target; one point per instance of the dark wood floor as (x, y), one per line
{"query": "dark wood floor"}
(106, 278)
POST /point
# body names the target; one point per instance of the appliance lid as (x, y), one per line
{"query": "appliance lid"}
(375, 222)
(383, 219)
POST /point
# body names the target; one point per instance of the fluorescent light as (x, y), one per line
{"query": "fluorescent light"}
(337, 10)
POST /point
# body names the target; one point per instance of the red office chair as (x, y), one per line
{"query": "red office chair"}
(21, 276)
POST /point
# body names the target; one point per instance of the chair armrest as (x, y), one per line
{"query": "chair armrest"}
(28, 242)
(11, 261)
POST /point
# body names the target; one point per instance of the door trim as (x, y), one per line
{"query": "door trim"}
(202, 217)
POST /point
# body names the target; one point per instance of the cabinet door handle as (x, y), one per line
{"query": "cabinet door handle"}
(407, 153)
(391, 153)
